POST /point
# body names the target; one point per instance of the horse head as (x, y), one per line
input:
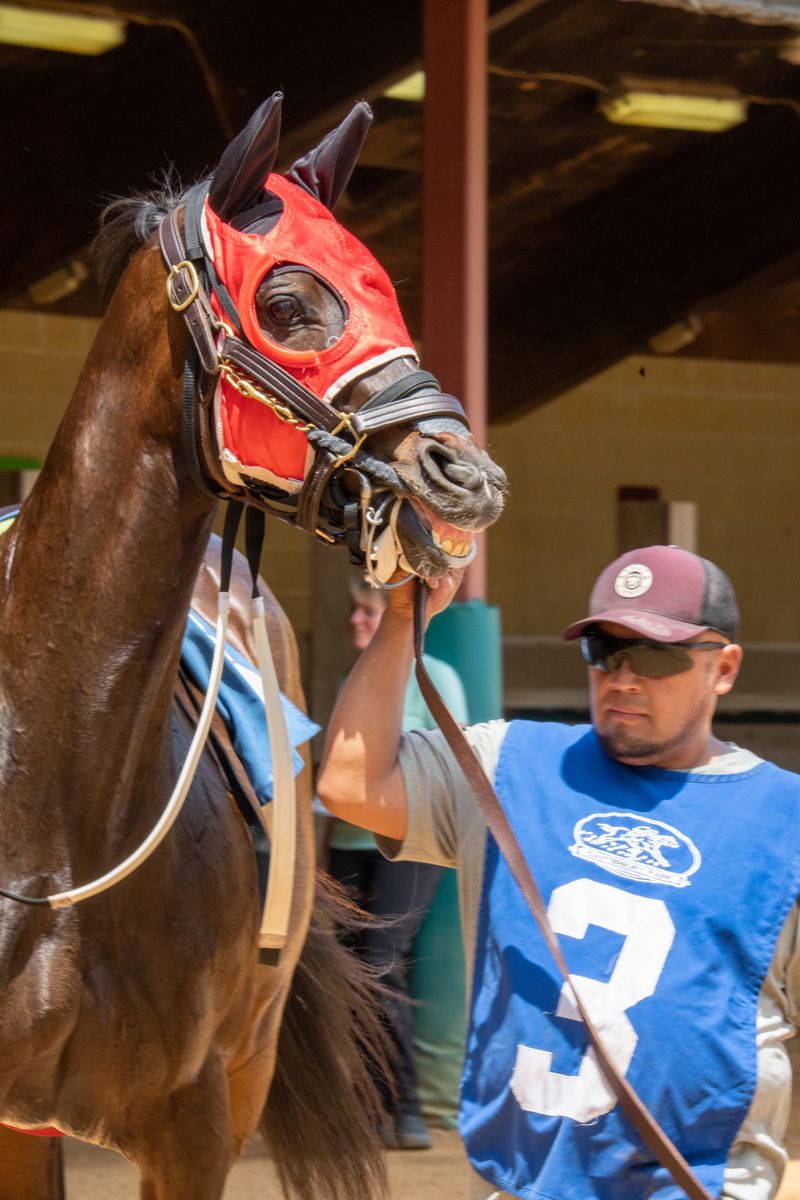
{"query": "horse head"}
(313, 404)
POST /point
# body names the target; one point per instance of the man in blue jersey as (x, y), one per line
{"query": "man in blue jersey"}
(670, 864)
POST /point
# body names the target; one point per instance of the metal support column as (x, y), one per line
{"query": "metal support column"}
(454, 305)
(454, 172)
(454, 290)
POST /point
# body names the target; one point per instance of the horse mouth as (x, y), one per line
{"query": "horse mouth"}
(431, 545)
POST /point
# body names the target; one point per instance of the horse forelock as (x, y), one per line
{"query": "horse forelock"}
(127, 223)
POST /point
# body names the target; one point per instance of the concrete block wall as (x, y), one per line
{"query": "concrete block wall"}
(724, 435)
(40, 359)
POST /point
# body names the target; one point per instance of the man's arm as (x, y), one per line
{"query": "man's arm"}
(360, 779)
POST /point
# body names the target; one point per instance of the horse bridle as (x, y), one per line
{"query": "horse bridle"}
(219, 348)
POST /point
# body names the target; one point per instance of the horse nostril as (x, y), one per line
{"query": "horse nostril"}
(466, 475)
(442, 464)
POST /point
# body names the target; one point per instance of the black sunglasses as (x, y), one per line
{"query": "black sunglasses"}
(652, 660)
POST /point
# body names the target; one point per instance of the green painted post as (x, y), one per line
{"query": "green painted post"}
(468, 637)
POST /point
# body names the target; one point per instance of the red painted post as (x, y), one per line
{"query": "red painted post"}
(454, 237)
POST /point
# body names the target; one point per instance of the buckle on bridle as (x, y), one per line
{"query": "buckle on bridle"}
(180, 306)
(358, 440)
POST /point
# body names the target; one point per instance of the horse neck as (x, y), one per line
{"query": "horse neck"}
(99, 566)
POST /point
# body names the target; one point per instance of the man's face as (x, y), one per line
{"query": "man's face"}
(662, 722)
(366, 611)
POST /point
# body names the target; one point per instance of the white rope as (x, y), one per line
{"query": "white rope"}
(181, 789)
(283, 848)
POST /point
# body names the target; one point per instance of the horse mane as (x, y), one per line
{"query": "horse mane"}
(126, 223)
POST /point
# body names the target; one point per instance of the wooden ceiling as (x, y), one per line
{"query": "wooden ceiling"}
(601, 236)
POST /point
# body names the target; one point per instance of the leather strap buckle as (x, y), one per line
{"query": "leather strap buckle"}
(358, 440)
(177, 304)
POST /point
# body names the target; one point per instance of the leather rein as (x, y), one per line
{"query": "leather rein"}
(219, 348)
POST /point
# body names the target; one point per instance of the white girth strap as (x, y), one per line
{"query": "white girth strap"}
(281, 815)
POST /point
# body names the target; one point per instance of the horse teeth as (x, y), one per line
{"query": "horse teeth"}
(455, 547)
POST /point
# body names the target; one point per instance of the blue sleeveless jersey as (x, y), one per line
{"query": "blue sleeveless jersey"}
(668, 891)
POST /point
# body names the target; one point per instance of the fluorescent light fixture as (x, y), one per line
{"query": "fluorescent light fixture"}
(69, 32)
(411, 88)
(676, 337)
(59, 284)
(704, 113)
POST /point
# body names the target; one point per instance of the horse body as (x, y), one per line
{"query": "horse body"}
(141, 1019)
(103, 559)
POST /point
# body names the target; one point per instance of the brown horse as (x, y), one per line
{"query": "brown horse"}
(141, 1019)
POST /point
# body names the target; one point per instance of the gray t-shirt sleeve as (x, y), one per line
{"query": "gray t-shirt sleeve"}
(441, 810)
(445, 824)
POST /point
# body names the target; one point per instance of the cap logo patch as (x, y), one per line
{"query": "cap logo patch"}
(633, 580)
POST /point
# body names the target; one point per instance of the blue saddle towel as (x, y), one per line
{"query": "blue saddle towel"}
(240, 703)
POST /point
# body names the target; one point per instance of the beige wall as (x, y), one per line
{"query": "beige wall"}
(40, 360)
(725, 435)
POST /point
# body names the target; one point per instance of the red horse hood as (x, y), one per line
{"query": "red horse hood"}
(305, 235)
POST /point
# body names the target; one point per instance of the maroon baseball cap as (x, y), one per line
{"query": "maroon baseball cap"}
(663, 593)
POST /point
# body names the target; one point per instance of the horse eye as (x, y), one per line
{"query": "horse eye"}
(284, 309)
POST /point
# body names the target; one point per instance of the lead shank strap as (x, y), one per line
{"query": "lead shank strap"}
(651, 1132)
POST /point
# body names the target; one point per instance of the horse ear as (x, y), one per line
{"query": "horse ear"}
(238, 182)
(325, 172)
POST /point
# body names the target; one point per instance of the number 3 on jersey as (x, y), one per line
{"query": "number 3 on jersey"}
(649, 932)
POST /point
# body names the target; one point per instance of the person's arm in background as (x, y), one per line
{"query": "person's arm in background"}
(359, 778)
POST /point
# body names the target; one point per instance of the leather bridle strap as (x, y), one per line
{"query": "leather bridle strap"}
(399, 403)
(187, 296)
(651, 1132)
(408, 410)
(185, 289)
(299, 398)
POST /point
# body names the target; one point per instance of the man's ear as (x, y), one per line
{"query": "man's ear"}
(728, 664)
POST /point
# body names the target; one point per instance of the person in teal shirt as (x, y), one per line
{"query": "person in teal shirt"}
(401, 891)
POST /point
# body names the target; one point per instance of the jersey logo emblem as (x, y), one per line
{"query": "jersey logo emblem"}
(636, 847)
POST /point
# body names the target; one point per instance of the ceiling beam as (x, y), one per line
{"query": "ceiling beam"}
(126, 116)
